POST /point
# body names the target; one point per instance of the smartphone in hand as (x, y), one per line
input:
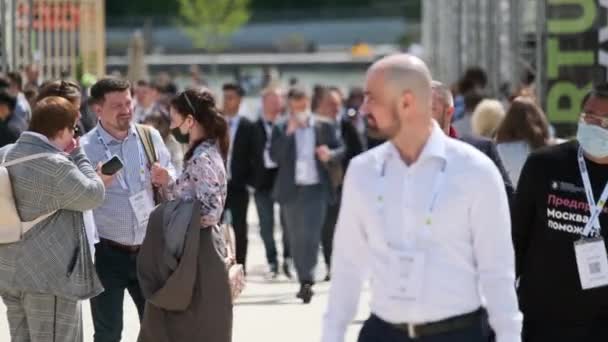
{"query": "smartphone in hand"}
(112, 166)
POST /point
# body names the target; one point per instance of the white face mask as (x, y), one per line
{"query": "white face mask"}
(302, 117)
(593, 139)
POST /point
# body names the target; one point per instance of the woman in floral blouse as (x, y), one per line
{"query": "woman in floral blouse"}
(196, 121)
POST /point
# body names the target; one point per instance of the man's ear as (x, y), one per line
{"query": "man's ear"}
(96, 109)
(4, 112)
(449, 114)
(407, 99)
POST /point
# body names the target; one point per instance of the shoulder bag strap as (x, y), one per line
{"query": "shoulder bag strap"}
(145, 136)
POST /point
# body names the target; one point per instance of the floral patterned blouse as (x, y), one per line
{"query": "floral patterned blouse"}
(204, 178)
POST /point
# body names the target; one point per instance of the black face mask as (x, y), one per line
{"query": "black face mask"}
(180, 137)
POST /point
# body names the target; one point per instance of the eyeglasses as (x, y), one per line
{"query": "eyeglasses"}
(596, 120)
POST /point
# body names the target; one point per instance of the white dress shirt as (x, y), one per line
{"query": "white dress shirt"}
(233, 127)
(306, 162)
(467, 248)
(268, 162)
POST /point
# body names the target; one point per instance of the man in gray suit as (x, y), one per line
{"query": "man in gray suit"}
(306, 151)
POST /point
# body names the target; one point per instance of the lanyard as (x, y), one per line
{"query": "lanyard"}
(233, 127)
(268, 128)
(120, 177)
(439, 179)
(435, 194)
(595, 209)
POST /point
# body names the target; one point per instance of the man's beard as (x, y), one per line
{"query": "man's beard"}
(441, 120)
(386, 133)
(123, 124)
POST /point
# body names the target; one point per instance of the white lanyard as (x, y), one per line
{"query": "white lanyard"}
(595, 209)
(439, 179)
(236, 122)
(268, 128)
(120, 177)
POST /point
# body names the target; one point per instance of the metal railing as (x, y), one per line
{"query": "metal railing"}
(492, 34)
(61, 36)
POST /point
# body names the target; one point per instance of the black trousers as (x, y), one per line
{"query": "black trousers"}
(117, 271)
(593, 331)
(377, 330)
(329, 228)
(237, 202)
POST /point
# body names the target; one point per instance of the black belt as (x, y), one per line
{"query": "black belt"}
(119, 246)
(460, 322)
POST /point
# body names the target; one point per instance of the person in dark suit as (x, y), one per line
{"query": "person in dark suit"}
(265, 174)
(352, 105)
(443, 109)
(306, 150)
(9, 131)
(348, 124)
(330, 109)
(239, 166)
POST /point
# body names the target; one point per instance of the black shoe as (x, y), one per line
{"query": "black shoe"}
(287, 269)
(305, 293)
(273, 274)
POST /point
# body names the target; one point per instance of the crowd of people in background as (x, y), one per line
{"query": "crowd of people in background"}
(312, 153)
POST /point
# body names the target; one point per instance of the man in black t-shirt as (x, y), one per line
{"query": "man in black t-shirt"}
(561, 259)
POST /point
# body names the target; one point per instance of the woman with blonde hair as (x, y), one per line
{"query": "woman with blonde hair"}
(524, 129)
(487, 116)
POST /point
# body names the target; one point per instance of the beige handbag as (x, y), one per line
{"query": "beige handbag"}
(236, 273)
(11, 226)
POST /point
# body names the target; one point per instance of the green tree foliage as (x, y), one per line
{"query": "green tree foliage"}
(210, 22)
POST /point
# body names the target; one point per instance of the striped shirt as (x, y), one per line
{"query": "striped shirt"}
(115, 219)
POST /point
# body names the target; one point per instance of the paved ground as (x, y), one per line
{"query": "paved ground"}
(267, 311)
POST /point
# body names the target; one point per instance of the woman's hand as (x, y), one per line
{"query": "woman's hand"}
(72, 146)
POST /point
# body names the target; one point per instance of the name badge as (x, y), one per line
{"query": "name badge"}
(408, 266)
(592, 262)
(142, 206)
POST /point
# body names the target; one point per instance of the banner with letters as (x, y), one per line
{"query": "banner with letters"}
(576, 56)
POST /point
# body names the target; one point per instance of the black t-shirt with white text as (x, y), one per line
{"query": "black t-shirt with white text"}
(549, 213)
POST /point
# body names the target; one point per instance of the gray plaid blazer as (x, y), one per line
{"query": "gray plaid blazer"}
(54, 256)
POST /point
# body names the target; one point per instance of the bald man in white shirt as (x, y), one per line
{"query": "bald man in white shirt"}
(425, 218)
